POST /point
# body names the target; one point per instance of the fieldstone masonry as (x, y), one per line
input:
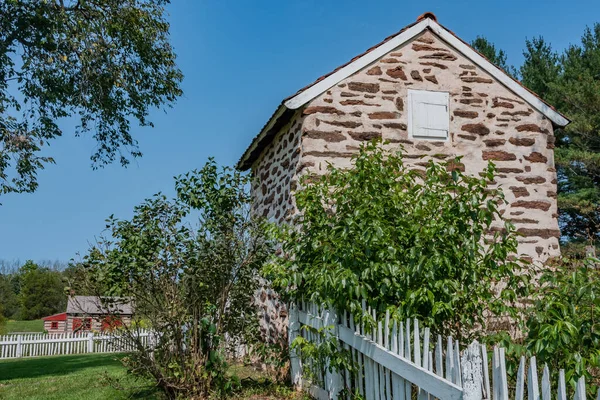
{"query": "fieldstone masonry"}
(488, 122)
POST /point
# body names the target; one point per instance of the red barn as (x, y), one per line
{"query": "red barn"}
(90, 313)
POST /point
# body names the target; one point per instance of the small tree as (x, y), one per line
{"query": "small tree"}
(42, 291)
(562, 328)
(191, 267)
(420, 243)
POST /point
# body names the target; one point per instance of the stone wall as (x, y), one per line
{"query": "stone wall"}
(487, 123)
(275, 177)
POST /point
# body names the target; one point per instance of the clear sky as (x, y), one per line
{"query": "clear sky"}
(240, 59)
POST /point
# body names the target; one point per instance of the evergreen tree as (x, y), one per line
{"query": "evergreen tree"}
(495, 56)
(571, 82)
(42, 292)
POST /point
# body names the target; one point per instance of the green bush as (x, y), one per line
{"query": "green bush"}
(419, 243)
(563, 328)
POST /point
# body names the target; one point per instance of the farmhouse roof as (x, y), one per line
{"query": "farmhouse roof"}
(99, 305)
(56, 317)
(426, 21)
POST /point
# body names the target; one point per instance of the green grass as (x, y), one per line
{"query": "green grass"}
(81, 377)
(36, 325)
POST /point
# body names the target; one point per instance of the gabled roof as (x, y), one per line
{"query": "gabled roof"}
(99, 305)
(427, 21)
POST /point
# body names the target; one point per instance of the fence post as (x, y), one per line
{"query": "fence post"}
(293, 332)
(333, 378)
(19, 346)
(472, 372)
(90, 343)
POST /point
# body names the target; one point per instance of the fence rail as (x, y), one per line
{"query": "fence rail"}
(41, 344)
(400, 360)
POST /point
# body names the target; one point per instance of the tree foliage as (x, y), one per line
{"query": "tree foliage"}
(41, 292)
(571, 82)
(562, 328)
(495, 56)
(191, 265)
(103, 63)
(421, 244)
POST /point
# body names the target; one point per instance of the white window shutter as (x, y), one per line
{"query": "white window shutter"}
(428, 114)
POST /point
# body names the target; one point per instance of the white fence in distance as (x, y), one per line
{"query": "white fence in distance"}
(43, 344)
(398, 361)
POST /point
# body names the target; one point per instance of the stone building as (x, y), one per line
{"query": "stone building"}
(430, 91)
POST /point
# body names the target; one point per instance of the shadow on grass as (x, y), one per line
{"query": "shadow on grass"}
(54, 366)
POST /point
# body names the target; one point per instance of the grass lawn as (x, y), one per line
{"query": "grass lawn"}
(37, 325)
(93, 377)
(81, 377)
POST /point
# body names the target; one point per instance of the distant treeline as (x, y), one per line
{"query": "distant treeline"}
(33, 290)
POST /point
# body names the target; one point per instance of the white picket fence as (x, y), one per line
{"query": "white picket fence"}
(397, 361)
(43, 344)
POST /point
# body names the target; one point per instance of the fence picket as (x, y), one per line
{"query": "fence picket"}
(546, 383)
(520, 387)
(533, 390)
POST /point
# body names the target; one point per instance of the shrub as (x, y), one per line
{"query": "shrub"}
(191, 266)
(563, 328)
(421, 243)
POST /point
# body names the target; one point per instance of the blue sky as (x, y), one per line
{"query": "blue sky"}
(240, 59)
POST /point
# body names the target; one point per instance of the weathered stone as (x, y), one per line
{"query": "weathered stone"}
(345, 124)
(513, 113)
(454, 165)
(396, 73)
(434, 64)
(416, 76)
(348, 94)
(467, 66)
(531, 179)
(430, 78)
(425, 39)
(536, 204)
(364, 87)
(475, 79)
(522, 141)
(369, 96)
(395, 125)
(467, 137)
(358, 102)
(536, 157)
(490, 115)
(551, 193)
(384, 115)
(334, 136)
(498, 155)
(389, 91)
(479, 129)
(530, 128)
(374, 71)
(356, 113)
(471, 101)
(328, 100)
(494, 142)
(364, 136)
(440, 56)
(399, 104)
(505, 104)
(390, 60)
(510, 170)
(322, 110)
(424, 47)
(327, 154)
(519, 192)
(423, 147)
(543, 233)
(523, 221)
(396, 54)
(550, 142)
(466, 114)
